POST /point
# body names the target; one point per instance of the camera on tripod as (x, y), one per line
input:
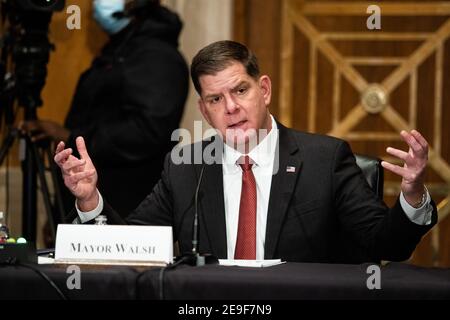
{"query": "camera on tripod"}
(26, 41)
(25, 52)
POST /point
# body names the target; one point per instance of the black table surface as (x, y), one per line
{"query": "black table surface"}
(96, 282)
(298, 281)
(286, 281)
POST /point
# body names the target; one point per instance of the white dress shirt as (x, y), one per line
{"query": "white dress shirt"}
(263, 156)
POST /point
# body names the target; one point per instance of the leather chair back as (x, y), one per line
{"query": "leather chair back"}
(373, 172)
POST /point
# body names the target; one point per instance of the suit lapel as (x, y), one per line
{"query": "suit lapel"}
(282, 187)
(212, 214)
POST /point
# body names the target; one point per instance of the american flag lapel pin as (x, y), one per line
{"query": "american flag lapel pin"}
(290, 169)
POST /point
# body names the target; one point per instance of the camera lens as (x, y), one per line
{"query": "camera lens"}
(41, 5)
(44, 3)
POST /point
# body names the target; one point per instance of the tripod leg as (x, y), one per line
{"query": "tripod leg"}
(7, 143)
(58, 196)
(29, 206)
(44, 188)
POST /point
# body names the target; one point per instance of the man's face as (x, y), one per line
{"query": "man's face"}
(236, 104)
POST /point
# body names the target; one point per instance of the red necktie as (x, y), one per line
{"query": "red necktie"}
(246, 237)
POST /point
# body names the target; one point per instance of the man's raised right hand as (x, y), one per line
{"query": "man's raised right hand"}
(79, 175)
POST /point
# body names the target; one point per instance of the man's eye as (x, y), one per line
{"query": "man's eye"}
(214, 100)
(242, 90)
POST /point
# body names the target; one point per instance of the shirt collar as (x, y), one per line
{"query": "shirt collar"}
(262, 155)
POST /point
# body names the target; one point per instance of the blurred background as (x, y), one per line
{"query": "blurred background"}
(330, 74)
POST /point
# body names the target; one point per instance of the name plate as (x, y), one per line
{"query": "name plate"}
(111, 244)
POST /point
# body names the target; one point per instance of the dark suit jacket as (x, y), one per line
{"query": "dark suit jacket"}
(309, 209)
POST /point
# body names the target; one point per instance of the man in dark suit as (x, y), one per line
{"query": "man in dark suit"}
(271, 192)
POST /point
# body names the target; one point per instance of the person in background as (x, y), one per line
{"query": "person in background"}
(128, 102)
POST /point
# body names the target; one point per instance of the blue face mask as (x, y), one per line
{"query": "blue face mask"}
(103, 14)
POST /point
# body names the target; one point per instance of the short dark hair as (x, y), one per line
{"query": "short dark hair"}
(219, 55)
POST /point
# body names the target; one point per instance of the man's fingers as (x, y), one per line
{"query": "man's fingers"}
(81, 146)
(77, 177)
(71, 164)
(423, 142)
(412, 142)
(401, 171)
(60, 147)
(398, 153)
(394, 168)
(61, 157)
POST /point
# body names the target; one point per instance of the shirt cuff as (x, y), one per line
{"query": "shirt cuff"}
(88, 216)
(421, 215)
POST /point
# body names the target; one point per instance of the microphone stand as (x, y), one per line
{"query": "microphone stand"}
(194, 258)
(199, 260)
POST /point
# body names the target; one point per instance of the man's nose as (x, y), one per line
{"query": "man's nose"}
(230, 105)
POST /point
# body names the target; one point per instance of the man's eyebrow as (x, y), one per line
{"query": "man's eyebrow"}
(236, 87)
(211, 95)
(240, 84)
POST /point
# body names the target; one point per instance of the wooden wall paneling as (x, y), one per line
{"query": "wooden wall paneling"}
(259, 28)
(74, 52)
(372, 83)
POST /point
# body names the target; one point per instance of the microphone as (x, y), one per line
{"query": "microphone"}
(194, 258)
(196, 226)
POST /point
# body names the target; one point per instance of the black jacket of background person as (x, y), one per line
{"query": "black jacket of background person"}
(323, 212)
(128, 103)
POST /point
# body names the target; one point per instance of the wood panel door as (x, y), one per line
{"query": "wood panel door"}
(335, 76)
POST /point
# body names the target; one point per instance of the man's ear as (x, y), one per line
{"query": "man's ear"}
(202, 107)
(265, 85)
